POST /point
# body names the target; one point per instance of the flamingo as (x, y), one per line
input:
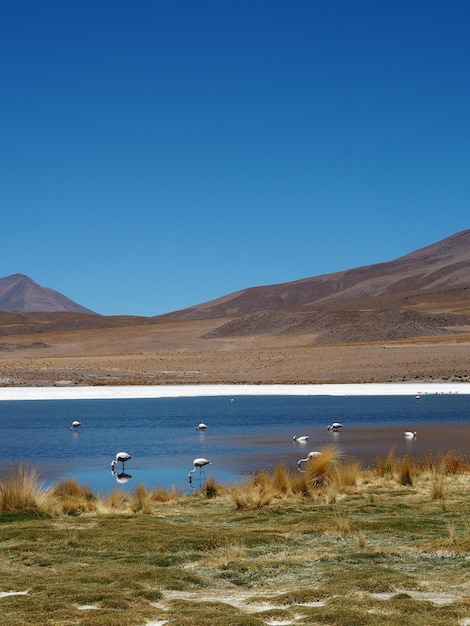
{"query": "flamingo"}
(75, 424)
(201, 426)
(409, 434)
(198, 464)
(310, 455)
(335, 426)
(302, 439)
(121, 457)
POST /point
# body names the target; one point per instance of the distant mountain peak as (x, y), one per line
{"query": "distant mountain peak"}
(20, 293)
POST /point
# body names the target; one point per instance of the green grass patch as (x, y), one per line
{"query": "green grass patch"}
(379, 551)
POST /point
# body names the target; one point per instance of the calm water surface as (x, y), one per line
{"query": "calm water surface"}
(245, 434)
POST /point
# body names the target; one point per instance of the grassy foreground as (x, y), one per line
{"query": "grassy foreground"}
(334, 545)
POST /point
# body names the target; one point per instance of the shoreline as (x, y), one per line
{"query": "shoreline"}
(195, 390)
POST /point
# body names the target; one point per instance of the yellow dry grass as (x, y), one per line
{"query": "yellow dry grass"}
(22, 489)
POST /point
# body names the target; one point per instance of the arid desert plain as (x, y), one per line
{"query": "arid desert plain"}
(175, 352)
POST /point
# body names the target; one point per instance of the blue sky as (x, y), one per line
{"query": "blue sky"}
(159, 154)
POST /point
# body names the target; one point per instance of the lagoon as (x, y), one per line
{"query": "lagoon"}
(246, 433)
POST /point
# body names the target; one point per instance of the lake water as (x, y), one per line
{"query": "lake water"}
(245, 434)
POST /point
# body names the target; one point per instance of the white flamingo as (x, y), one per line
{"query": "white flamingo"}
(335, 426)
(310, 455)
(410, 434)
(121, 457)
(201, 426)
(302, 439)
(75, 424)
(199, 464)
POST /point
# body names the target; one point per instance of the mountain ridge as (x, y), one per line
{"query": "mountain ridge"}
(432, 279)
(439, 267)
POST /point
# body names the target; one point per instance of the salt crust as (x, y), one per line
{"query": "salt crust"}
(175, 391)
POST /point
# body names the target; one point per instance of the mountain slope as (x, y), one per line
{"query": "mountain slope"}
(440, 269)
(423, 294)
(20, 293)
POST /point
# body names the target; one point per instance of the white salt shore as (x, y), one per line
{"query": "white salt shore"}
(175, 391)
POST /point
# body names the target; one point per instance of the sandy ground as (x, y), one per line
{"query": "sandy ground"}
(106, 358)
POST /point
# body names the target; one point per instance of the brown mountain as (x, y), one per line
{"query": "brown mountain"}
(443, 267)
(20, 293)
(424, 293)
(330, 328)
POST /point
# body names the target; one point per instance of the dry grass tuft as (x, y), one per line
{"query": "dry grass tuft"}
(341, 478)
(438, 486)
(140, 501)
(116, 500)
(331, 493)
(318, 468)
(450, 463)
(345, 476)
(72, 499)
(405, 469)
(384, 467)
(265, 487)
(301, 485)
(280, 480)
(22, 489)
(454, 464)
(251, 495)
(342, 524)
(162, 495)
(211, 488)
(68, 488)
(76, 505)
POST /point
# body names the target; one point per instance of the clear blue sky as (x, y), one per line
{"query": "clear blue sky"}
(158, 154)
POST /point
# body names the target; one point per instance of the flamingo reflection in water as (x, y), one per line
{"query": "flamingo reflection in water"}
(121, 477)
